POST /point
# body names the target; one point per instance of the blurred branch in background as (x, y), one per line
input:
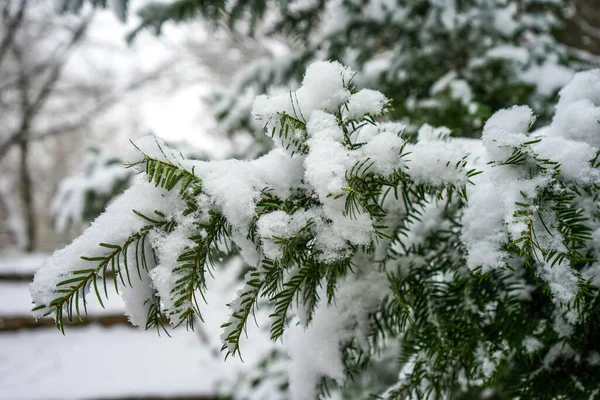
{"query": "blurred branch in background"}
(31, 102)
(42, 99)
(25, 91)
(31, 105)
(11, 22)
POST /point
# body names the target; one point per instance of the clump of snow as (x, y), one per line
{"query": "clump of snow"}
(428, 133)
(584, 85)
(489, 217)
(357, 230)
(443, 82)
(488, 361)
(563, 322)
(504, 19)
(594, 358)
(559, 350)
(166, 274)
(279, 225)
(323, 125)
(384, 151)
(332, 328)
(495, 215)
(436, 163)
(578, 110)
(271, 226)
(484, 232)
(579, 121)
(138, 297)
(561, 280)
(367, 132)
(506, 130)
(325, 88)
(366, 102)
(234, 186)
(461, 90)
(326, 165)
(574, 157)
(573, 137)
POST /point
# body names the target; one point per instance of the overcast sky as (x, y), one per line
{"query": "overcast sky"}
(171, 107)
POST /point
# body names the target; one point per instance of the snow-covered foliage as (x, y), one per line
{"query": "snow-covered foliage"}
(474, 259)
(449, 63)
(443, 62)
(83, 196)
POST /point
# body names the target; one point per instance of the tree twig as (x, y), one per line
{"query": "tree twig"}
(29, 113)
(11, 28)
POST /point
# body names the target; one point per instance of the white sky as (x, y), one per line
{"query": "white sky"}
(172, 107)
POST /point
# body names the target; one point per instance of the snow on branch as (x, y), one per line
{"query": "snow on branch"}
(353, 230)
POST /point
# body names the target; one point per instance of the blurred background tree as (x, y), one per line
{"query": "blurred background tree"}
(460, 60)
(61, 80)
(50, 98)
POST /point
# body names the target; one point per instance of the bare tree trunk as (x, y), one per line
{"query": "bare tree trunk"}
(26, 185)
(27, 197)
(583, 29)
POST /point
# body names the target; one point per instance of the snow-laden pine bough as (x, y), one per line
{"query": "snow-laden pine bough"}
(477, 256)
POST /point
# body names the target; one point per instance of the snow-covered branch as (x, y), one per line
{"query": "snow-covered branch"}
(355, 232)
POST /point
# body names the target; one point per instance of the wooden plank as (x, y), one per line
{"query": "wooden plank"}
(27, 277)
(191, 397)
(8, 324)
(16, 277)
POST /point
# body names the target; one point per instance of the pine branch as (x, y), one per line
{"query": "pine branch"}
(243, 306)
(73, 290)
(292, 132)
(301, 287)
(191, 270)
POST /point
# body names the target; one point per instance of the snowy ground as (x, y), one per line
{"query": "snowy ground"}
(96, 362)
(15, 263)
(118, 361)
